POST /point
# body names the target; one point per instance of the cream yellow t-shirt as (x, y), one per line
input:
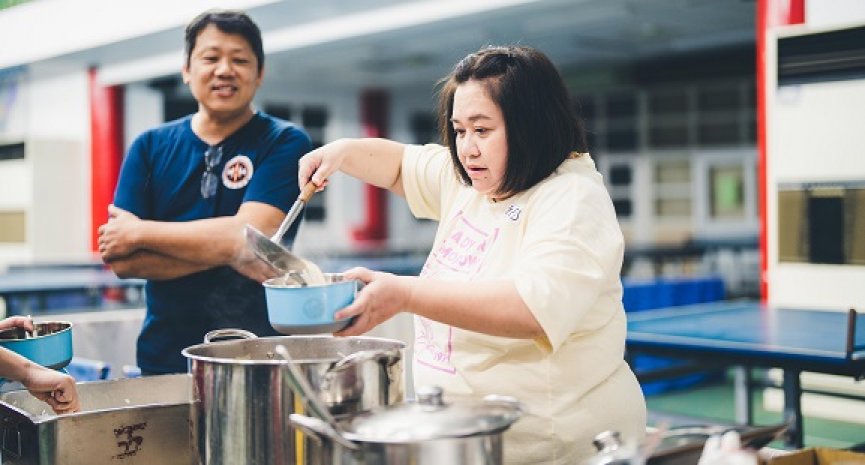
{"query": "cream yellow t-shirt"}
(561, 244)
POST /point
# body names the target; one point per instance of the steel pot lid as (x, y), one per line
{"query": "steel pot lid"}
(431, 418)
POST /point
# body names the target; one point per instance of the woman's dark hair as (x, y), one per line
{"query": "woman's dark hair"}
(229, 22)
(541, 122)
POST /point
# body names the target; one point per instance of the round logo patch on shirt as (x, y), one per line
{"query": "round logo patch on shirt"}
(237, 172)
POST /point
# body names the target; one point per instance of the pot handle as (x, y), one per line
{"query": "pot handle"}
(228, 333)
(390, 356)
(14, 433)
(320, 429)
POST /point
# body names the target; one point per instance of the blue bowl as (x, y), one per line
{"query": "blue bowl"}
(51, 347)
(295, 309)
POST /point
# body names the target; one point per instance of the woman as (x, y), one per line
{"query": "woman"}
(520, 294)
(52, 387)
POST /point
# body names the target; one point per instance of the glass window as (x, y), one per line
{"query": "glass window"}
(621, 105)
(620, 175)
(716, 133)
(727, 192)
(13, 226)
(668, 103)
(672, 171)
(672, 179)
(314, 120)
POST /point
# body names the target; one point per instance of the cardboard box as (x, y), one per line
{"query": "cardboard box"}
(819, 456)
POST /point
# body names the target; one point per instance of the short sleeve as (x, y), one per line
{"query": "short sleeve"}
(275, 178)
(428, 179)
(134, 183)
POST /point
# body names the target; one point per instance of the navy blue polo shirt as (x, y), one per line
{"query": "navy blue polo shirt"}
(161, 180)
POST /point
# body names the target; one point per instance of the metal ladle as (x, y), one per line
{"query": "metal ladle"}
(301, 388)
(271, 250)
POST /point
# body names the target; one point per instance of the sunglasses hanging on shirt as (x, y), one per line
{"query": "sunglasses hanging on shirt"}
(209, 179)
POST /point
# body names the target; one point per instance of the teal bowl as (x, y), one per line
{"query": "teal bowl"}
(296, 309)
(49, 346)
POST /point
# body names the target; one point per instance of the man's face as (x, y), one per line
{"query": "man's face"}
(222, 72)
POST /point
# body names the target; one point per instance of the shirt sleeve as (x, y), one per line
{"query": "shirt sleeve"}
(275, 179)
(134, 183)
(569, 263)
(427, 174)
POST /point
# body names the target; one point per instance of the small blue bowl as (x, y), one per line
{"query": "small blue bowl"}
(51, 347)
(295, 309)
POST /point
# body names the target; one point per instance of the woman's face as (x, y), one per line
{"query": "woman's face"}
(481, 138)
(222, 73)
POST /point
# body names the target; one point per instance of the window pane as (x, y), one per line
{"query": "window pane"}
(668, 103)
(711, 99)
(727, 192)
(672, 171)
(13, 226)
(622, 140)
(621, 105)
(718, 133)
(623, 207)
(620, 175)
(668, 136)
(673, 207)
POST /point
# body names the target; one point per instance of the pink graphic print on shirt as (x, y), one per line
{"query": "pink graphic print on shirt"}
(457, 258)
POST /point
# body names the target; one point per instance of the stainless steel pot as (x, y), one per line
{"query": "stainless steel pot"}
(243, 397)
(428, 432)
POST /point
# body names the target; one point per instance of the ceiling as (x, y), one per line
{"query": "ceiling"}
(572, 33)
(404, 43)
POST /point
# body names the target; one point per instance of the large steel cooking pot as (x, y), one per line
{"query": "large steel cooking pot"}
(427, 432)
(49, 345)
(243, 397)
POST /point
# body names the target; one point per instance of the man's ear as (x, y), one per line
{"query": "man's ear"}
(184, 72)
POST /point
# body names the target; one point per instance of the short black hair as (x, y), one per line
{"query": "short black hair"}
(229, 22)
(540, 119)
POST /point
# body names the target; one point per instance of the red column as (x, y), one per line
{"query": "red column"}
(374, 106)
(770, 13)
(106, 149)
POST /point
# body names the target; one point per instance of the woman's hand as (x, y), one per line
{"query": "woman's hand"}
(54, 388)
(319, 164)
(17, 322)
(384, 296)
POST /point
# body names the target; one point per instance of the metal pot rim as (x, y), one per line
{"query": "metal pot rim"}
(188, 352)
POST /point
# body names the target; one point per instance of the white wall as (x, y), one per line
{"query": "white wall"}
(142, 109)
(828, 13)
(814, 135)
(51, 116)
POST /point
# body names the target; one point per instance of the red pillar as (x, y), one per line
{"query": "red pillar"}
(374, 105)
(106, 149)
(770, 13)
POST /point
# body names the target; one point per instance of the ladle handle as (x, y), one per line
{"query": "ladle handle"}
(316, 427)
(301, 388)
(307, 191)
(294, 212)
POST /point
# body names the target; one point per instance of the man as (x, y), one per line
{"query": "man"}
(188, 187)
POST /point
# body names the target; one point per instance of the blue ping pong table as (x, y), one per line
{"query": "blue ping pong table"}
(748, 334)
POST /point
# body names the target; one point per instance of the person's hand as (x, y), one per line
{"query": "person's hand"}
(116, 237)
(726, 449)
(383, 296)
(248, 264)
(319, 164)
(17, 322)
(54, 388)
